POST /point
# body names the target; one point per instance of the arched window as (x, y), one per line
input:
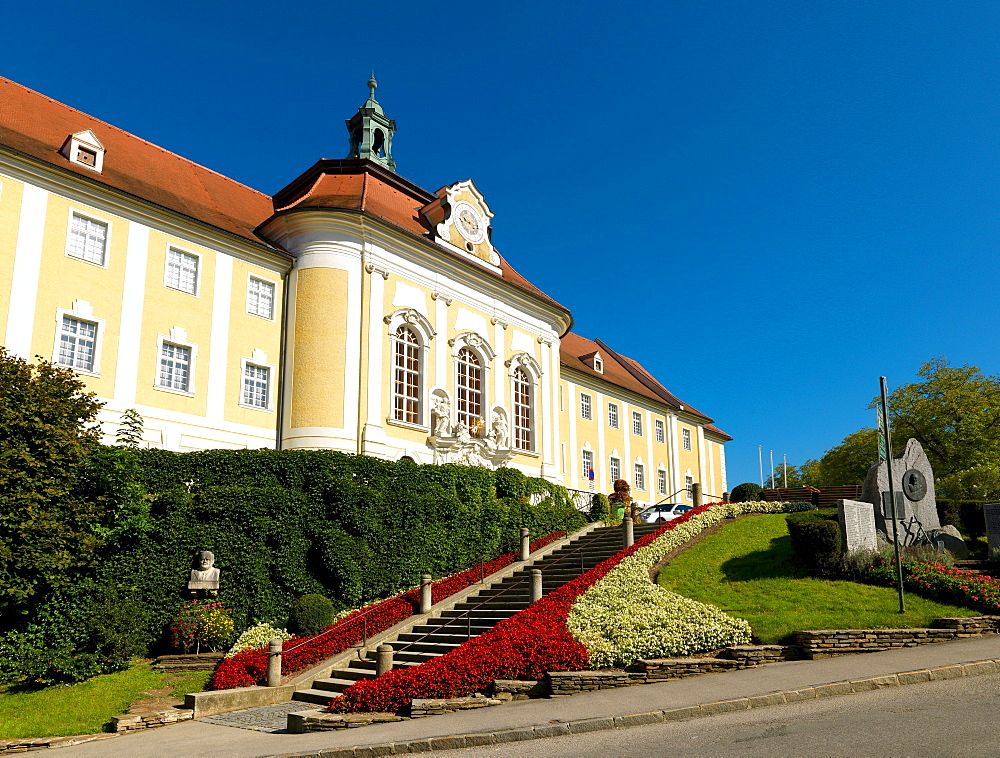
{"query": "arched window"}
(522, 410)
(406, 377)
(469, 384)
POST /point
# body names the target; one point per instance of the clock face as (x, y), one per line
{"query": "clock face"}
(469, 222)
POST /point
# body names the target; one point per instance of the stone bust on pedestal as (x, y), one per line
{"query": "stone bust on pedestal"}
(204, 575)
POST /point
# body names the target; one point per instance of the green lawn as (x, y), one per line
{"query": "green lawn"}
(745, 569)
(87, 707)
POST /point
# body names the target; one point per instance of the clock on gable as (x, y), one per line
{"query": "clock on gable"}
(460, 219)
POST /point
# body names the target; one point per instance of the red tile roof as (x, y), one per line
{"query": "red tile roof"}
(364, 185)
(38, 126)
(624, 372)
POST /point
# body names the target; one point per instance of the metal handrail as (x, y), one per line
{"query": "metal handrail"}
(467, 614)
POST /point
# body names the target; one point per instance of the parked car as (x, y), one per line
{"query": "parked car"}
(663, 512)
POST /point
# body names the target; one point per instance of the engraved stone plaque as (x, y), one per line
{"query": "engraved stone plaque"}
(991, 512)
(857, 524)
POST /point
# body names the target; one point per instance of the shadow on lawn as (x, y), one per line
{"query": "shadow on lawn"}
(774, 563)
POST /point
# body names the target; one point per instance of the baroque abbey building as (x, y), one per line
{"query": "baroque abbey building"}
(351, 311)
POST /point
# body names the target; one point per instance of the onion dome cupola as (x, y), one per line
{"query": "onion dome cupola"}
(371, 132)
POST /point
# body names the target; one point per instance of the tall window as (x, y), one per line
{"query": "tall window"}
(615, 469)
(182, 271)
(686, 438)
(661, 481)
(585, 411)
(77, 343)
(470, 388)
(612, 415)
(637, 423)
(175, 367)
(588, 463)
(640, 476)
(87, 239)
(406, 377)
(689, 487)
(260, 298)
(522, 410)
(256, 385)
(660, 434)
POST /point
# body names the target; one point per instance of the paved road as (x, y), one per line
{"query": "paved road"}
(954, 718)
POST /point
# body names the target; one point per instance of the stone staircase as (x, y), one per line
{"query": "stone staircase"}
(479, 613)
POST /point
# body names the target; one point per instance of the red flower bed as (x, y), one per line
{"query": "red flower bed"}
(524, 646)
(934, 580)
(249, 667)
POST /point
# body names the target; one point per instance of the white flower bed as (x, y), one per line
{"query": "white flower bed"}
(625, 616)
(256, 636)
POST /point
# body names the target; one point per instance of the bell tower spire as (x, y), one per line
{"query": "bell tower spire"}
(371, 132)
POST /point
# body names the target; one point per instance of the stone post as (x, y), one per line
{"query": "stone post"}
(383, 659)
(274, 663)
(696, 496)
(525, 543)
(725, 497)
(536, 585)
(628, 531)
(426, 597)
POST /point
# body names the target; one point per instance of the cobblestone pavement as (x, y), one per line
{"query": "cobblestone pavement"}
(267, 718)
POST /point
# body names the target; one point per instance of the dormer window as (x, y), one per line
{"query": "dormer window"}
(84, 149)
(598, 364)
(593, 360)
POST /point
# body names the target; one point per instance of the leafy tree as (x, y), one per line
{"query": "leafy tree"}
(47, 433)
(848, 462)
(954, 413)
(129, 434)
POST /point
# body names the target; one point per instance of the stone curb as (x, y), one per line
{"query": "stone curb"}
(850, 687)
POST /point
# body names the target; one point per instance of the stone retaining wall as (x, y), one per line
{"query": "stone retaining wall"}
(823, 643)
(9, 747)
(131, 722)
(188, 662)
(318, 721)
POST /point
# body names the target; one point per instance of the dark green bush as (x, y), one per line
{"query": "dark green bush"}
(816, 541)
(310, 614)
(964, 515)
(746, 492)
(799, 505)
(600, 508)
(282, 524)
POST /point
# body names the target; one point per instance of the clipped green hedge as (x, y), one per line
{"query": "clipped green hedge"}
(817, 541)
(282, 524)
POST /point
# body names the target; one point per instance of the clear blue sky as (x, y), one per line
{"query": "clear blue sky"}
(769, 204)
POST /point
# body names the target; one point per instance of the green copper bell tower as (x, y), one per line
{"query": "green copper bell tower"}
(371, 132)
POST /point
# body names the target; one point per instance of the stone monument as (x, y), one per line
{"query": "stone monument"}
(204, 575)
(857, 524)
(916, 507)
(991, 512)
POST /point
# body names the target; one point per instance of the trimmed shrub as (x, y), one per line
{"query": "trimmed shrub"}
(310, 614)
(746, 492)
(800, 505)
(817, 542)
(600, 508)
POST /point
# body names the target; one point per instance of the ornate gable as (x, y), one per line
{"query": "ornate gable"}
(460, 220)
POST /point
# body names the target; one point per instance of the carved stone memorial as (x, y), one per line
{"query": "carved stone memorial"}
(991, 512)
(916, 507)
(857, 524)
(204, 575)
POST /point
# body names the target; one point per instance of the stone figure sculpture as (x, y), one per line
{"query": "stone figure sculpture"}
(498, 430)
(442, 416)
(204, 575)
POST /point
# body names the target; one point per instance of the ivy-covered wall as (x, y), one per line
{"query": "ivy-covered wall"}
(281, 524)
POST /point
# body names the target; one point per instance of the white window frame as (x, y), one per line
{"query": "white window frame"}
(533, 371)
(688, 487)
(251, 278)
(661, 481)
(613, 417)
(93, 218)
(258, 358)
(686, 439)
(81, 311)
(178, 336)
(198, 272)
(640, 476)
(420, 372)
(587, 455)
(586, 407)
(637, 423)
(419, 323)
(660, 430)
(481, 348)
(615, 468)
(598, 364)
